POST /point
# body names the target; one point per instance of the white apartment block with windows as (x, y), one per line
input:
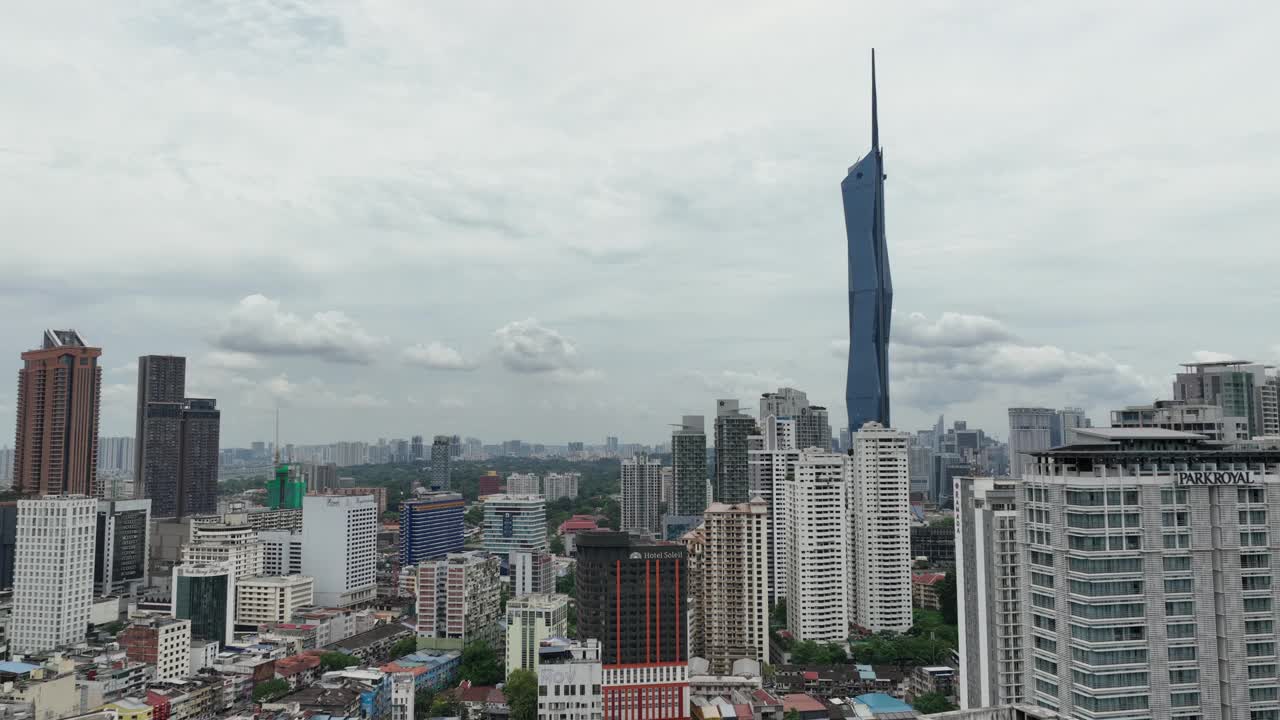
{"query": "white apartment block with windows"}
(530, 620)
(880, 517)
(570, 677)
(641, 495)
(733, 585)
(340, 545)
(173, 639)
(817, 534)
(282, 552)
(514, 523)
(988, 599)
(523, 484)
(219, 542)
(53, 572)
(770, 456)
(558, 486)
(1149, 580)
(272, 599)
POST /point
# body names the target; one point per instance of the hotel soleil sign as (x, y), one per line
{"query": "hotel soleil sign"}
(1215, 477)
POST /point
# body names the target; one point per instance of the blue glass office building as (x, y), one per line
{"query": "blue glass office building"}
(430, 527)
(870, 288)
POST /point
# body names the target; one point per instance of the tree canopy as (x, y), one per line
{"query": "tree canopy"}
(522, 695)
(930, 703)
(404, 646)
(337, 661)
(269, 690)
(480, 664)
(808, 652)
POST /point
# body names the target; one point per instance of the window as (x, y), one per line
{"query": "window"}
(1182, 653)
(1174, 541)
(1253, 561)
(1259, 627)
(1109, 657)
(1110, 704)
(1253, 517)
(1182, 630)
(1047, 666)
(1253, 539)
(1171, 518)
(1264, 694)
(1251, 495)
(1041, 558)
(1185, 699)
(1121, 633)
(1040, 579)
(1180, 607)
(1183, 677)
(1108, 611)
(1112, 680)
(1103, 588)
(1103, 566)
(1179, 585)
(1260, 604)
(1173, 496)
(1262, 672)
(1043, 601)
(1260, 649)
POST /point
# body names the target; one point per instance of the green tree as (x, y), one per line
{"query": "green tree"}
(480, 664)
(557, 545)
(444, 706)
(422, 701)
(337, 661)
(778, 618)
(808, 652)
(404, 647)
(567, 584)
(475, 515)
(792, 714)
(269, 690)
(522, 695)
(930, 703)
(947, 597)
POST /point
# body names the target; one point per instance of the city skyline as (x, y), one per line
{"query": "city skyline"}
(523, 234)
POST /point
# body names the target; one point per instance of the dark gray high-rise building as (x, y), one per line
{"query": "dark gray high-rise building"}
(416, 449)
(201, 427)
(157, 444)
(689, 467)
(732, 484)
(441, 452)
(121, 546)
(870, 286)
(8, 542)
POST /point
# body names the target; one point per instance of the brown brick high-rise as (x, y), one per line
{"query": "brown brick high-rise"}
(59, 392)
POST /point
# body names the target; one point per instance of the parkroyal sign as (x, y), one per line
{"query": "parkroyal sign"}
(1215, 477)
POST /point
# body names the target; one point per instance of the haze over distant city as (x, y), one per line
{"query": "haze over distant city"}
(552, 224)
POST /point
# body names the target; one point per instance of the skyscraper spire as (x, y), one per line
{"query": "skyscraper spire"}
(875, 118)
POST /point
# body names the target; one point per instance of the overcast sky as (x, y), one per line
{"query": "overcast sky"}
(557, 221)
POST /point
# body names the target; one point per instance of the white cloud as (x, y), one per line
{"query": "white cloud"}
(232, 360)
(526, 346)
(1207, 356)
(437, 357)
(258, 326)
(129, 367)
(279, 390)
(741, 384)
(949, 330)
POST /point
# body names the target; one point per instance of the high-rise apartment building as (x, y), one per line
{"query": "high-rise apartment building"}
(441, 457)
(272, 599)
(6, 467)
(988, 599)
(416, 450)
(870, 283)
(611, 446)
(320, 477)
(115, 456)
(559, 486)
(232, 541)
(1063, 422)
(53, 572)
(730, 582)
(880, 524)
(459, 599)
(431, 526)
(1231, 385)
(1149, 581)
(340, 547)
(733, 427)
(281, 552)
(531, 573)
(569, 680)
(514, 523)
(176, 451)
(631, 596)
(816, 504)
(1207, 420)
(770, 456)
(524, 484)
(812, 425)
(205, 594)
(531, 620)
(159, 641)
(59, 391)
(920, 457)
(162, 382)
(641, 493)
(1029, 431)
(121, 545)
(689, 467)
(8, 542)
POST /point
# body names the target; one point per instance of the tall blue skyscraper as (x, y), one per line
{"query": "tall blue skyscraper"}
(431, 527)
(870, 288)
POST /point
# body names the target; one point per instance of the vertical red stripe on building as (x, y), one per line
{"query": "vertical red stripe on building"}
(647, 618)
(677, 623)
(658, 599)
(617, 611)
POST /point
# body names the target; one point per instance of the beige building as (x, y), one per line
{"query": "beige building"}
(530, 620)
(729, 559)
(233, 542)
(458, 599)
(272, 599)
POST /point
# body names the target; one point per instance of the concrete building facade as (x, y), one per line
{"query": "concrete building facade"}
(641, 493)
(340, 546)
(880, 543)
(458, 599)
(1030, 430)
(531, 620)
(732, 586)
(53, 572)
(272, 599)
(515, 523)
(817, 540)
